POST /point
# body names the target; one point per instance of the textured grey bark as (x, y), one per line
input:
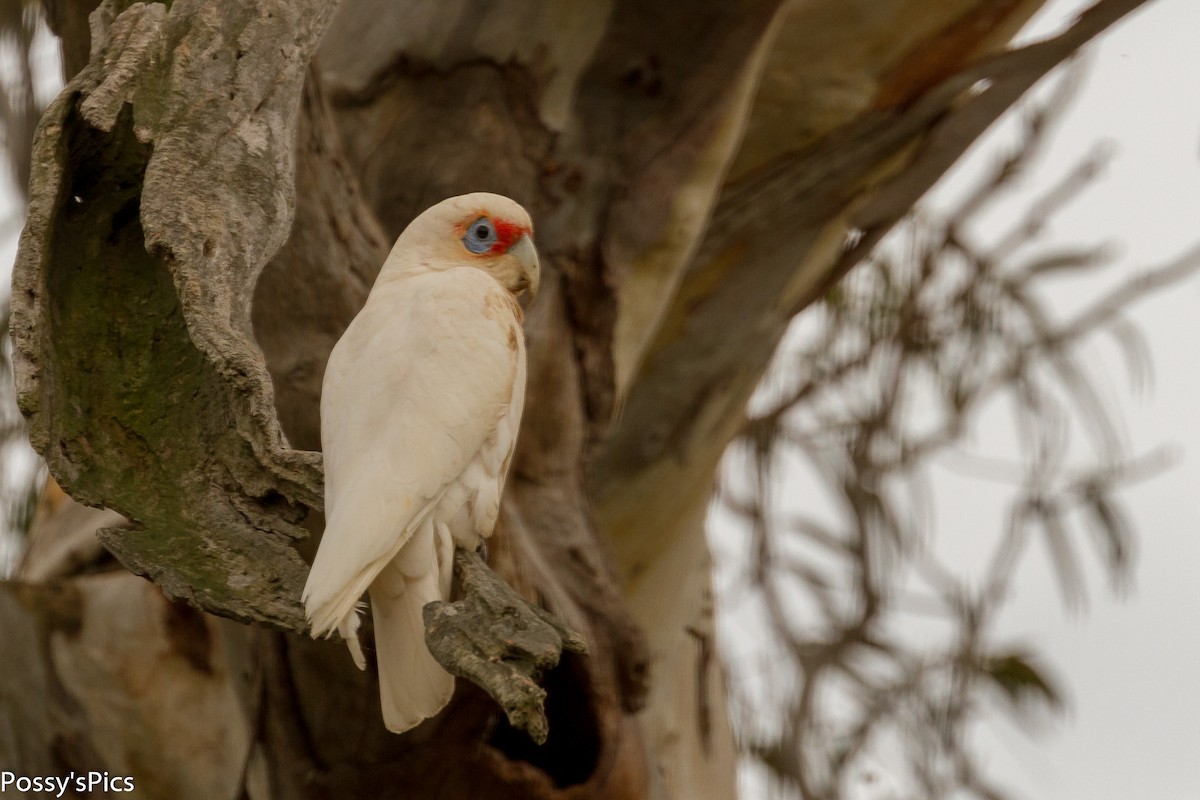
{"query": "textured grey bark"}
(162, 182)
(500, 641)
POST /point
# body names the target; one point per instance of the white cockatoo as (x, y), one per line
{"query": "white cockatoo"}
(420, 408)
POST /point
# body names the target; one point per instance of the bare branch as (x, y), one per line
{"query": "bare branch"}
(500, 641)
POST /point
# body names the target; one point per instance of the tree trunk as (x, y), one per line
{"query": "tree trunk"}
(209, 205)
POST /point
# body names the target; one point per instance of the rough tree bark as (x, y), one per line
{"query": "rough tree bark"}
(209, 205)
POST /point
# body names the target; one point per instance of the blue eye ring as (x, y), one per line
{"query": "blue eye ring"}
(480, 236)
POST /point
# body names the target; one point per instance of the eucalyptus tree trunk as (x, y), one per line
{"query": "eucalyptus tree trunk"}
(211, 197)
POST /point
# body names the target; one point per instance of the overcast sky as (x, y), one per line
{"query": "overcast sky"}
(1130, 661)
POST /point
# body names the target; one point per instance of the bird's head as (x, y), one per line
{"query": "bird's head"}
(487, 231)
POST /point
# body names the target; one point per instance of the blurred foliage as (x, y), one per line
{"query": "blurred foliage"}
(19, 485)
(19, 106)
(881, 651)
(20, 110)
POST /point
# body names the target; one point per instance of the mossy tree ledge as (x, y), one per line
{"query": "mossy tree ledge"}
(134, 358)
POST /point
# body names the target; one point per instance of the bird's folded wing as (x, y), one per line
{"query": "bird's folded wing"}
(412, 392)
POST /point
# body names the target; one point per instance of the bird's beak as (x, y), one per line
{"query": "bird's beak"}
(527, 257)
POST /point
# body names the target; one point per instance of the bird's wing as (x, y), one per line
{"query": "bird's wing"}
(413, 391)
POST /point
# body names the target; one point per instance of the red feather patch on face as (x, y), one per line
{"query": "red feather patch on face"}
(507, 234)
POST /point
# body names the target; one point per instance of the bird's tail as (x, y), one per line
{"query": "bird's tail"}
(412, 685)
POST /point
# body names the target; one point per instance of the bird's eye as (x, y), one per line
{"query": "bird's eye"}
(480, 236)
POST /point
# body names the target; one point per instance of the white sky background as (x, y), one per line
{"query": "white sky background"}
(1128, 661)
(1131, 665)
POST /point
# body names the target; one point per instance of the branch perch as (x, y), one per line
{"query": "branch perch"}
(499, 641)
